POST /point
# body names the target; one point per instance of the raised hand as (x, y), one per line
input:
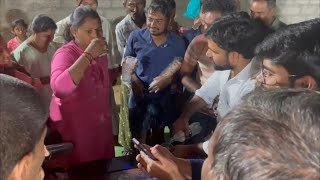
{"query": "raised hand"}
(97, 47)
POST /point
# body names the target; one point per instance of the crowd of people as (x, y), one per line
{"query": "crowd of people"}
(248, 81)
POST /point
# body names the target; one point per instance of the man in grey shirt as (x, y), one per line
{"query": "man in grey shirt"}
(135, 19)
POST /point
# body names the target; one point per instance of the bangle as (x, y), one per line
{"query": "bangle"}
(88, 58)
(89, 54)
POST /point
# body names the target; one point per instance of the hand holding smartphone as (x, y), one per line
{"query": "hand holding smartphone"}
(140, 147)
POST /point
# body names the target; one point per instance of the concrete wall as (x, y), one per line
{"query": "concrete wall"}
(58, 9)
(291, 11)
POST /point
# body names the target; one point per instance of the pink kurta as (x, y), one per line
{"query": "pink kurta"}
(82, 113)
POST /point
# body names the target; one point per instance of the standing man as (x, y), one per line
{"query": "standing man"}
(155, 48)
(134, 20)
(206, 5)
(266, 10)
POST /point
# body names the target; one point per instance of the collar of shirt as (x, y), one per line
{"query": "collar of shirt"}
(128, 20)
(147, 36)
(234, 90)
(276, 24)
(243, 75)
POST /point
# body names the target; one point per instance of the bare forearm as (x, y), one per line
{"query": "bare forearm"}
(190, 84)
(195, 104)
(184, 167)
(78, 69)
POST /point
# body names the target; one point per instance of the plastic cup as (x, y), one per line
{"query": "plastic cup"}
(128, 65)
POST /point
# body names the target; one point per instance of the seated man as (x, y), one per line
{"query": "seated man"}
(254, 141)
(22, 131)
(266, 10)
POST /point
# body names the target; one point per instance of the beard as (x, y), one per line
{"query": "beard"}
(158, 33)
(227, 66)
(222, 68)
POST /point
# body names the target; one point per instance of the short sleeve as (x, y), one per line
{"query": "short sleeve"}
(121, 40)
(61, 27)
(129, 50)
(210, 89)
(19, 56)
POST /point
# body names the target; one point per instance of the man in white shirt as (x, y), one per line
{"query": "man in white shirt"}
(231, 41)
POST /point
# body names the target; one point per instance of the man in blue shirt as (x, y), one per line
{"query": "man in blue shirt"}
(155, 48)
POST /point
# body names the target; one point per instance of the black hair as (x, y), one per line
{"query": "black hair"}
(295, 47)
(171, 5)
(281, 103)
(22, 122)
(17, 22)
(42, 23)
(238, 32)
(270, 136)
(223, 6)
(160, 6)
(78, 17)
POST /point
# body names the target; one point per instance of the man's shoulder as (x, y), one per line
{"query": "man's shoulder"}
(22, 48)
(122, 24)
(105, 20)
(199, 42)
(64, 21)
(277, 24)
(176, 38)
(200, 39)
(139, 32)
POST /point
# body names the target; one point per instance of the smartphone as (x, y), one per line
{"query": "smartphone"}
(143, 149)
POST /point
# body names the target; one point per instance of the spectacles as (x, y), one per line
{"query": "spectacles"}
(270, 79)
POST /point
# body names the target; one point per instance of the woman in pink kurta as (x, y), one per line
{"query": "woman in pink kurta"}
(80, 108)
